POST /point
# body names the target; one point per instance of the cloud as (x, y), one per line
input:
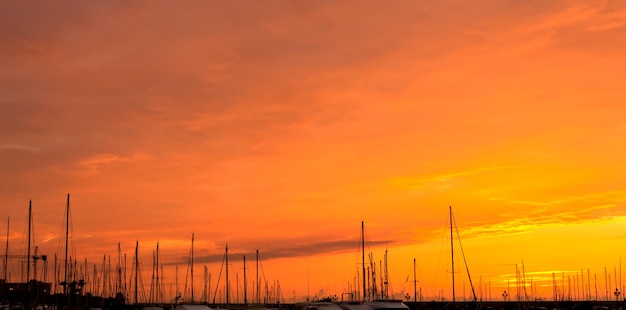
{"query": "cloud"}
(590, 208)
(419, 182)
(95, 163)
(607, 25)
(610, 17)
(571, 15)
(18, 147)
(291, 249)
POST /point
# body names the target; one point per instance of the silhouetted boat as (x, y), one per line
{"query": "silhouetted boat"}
(453, 225)
(322, 305)
(353, 305)
(375, 304)
(192, 307)
(386, 304)
(32, 293)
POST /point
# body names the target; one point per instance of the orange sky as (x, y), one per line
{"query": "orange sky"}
(281, 125)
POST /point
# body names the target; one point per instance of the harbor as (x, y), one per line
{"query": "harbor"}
(123, 289)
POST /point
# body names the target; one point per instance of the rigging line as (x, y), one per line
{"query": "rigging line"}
(263, 272)
(464, 259)
(219, 276)
(421, 280)
(432, 290)
(187, 273)
(71, 233)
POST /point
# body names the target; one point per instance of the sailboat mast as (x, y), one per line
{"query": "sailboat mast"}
(6, 252)
(30, 215)
(414, 282)
(452, 252)
(621, 285)
(363, 258)
(118, 284)
(386, 280)
(227, 280)
(151, 299)
(192, 236)
(258, 289)
(606, 285)
(136, 270)
(245, 283)
(104, 277)
(67, 231)
(157, 291)
(206, 283)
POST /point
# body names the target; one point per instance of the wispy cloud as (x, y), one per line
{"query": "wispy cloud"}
(571, 15)
(19, 147)
(291, 250)
(93, 164)
(611, 16)
(589, 208)
(418, 182)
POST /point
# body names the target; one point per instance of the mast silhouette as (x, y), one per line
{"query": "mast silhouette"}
(452, 251)
(28, 284)
(386, 278)
(245, 283)
(363, 258)
(118, 284)
(136, 270)
(67, 221)
(453, 222)
(157, 290)
(30, 215)
(227, 288)
(258, 288)
(6, 252)
(414, 282)
(192, 236)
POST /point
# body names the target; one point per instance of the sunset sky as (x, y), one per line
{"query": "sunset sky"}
(281, 125)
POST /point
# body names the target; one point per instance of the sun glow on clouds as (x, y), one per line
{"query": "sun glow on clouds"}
(279, 127)
(94, 163)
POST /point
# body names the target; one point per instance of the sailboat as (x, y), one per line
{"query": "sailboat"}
(323, 305)
(374, 304)
(191, 305)
(257, 304)
(32, 292)
(453, 225)
(153, 304)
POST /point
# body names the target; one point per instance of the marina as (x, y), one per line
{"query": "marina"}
(124, 290)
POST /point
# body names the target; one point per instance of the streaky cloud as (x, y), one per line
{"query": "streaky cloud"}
(289, 251)
(416, 182)
(95, 162)
(19, 147)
